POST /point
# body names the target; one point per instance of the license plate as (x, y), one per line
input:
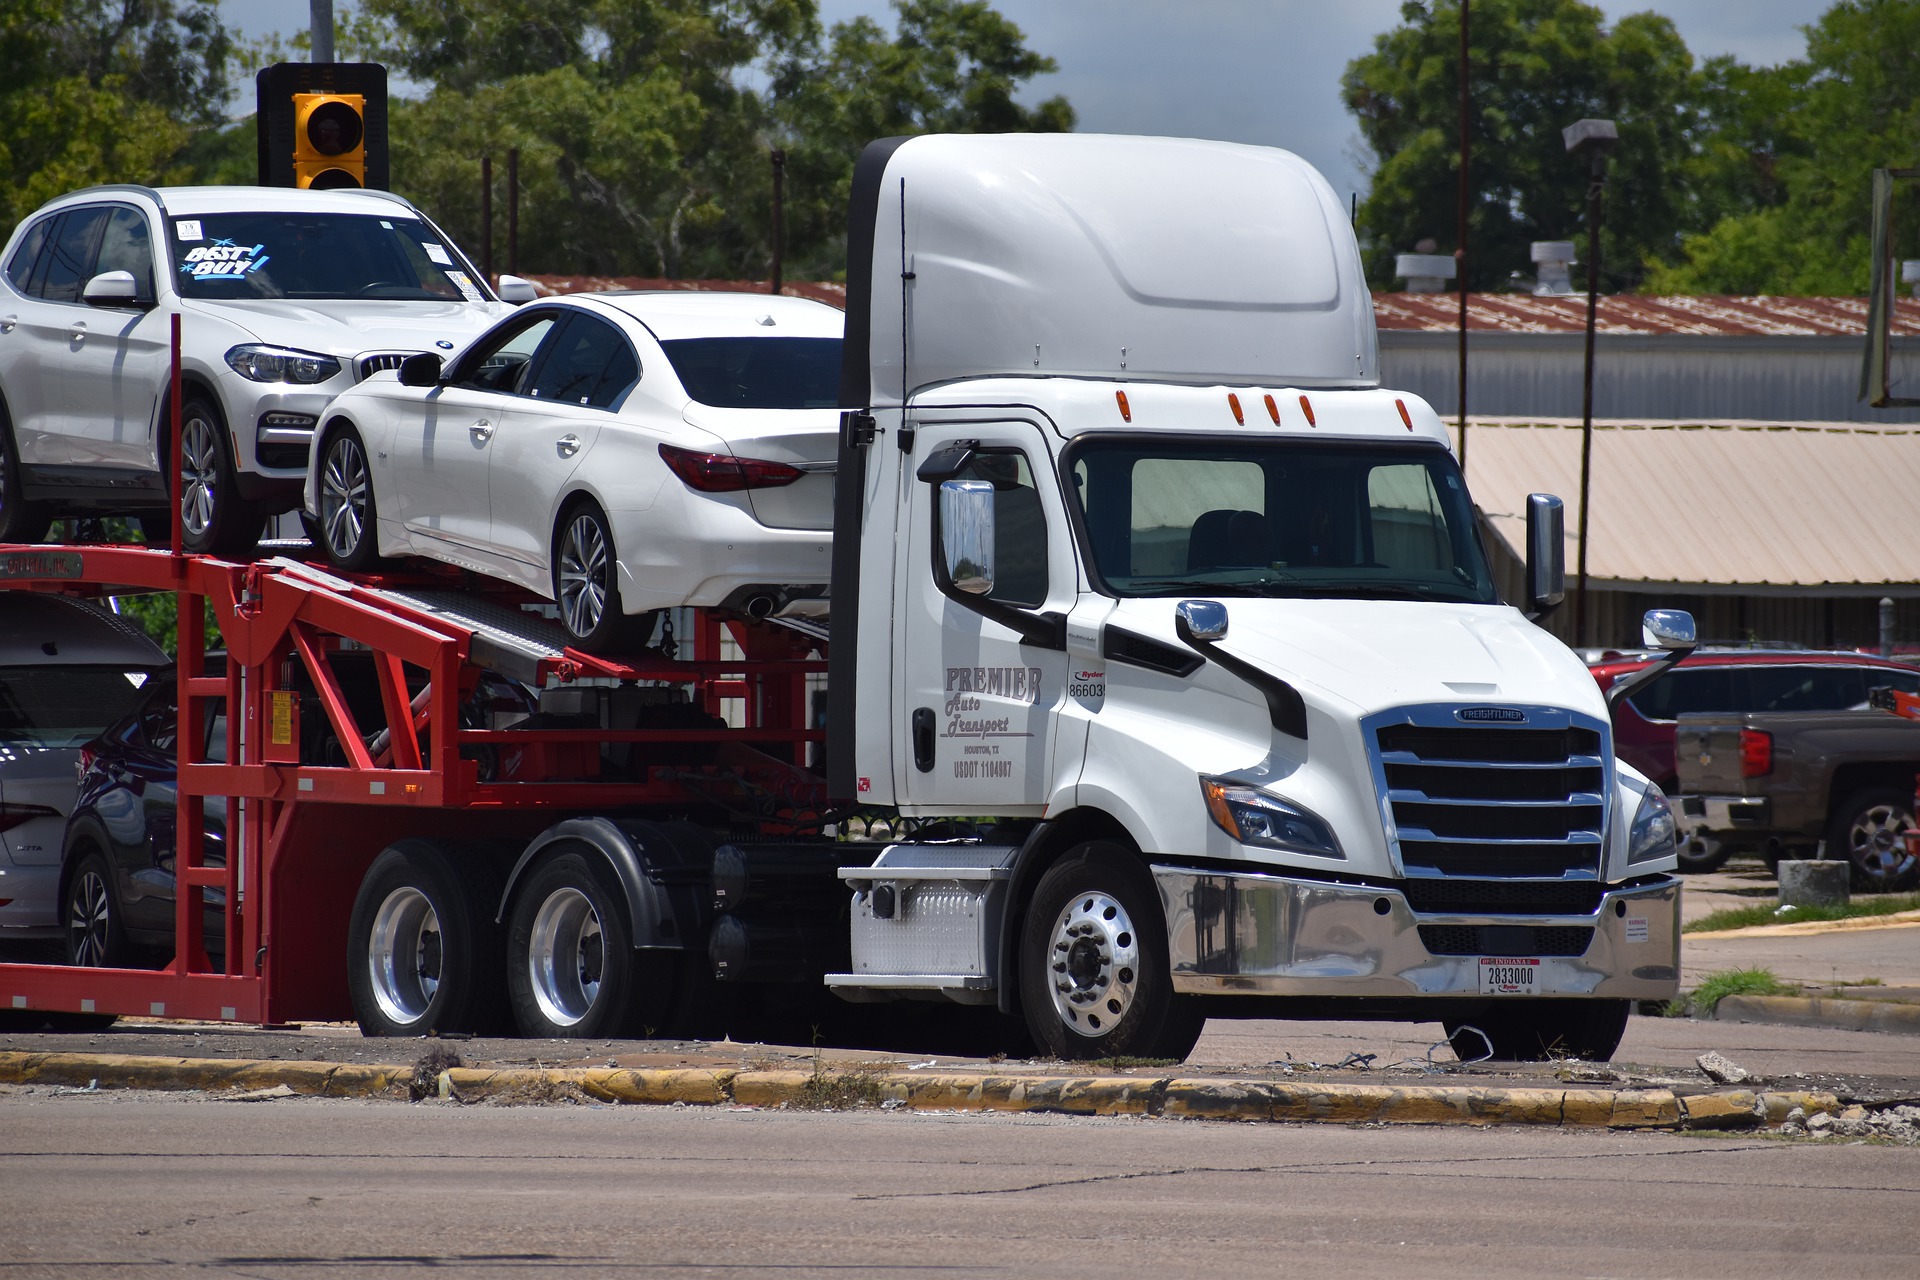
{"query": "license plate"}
(1509, 976)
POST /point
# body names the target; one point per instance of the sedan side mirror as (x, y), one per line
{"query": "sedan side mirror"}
(113, 289)
(421, 370)
(516, 290)
(966, 535)
(1546, 552)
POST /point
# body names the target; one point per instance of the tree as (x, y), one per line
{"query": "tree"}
(1816, 129)
(1536, 66)
(643, 136)
(104, 91)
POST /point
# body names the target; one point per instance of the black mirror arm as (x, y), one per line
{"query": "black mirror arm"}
(1626, 686)
(1286, 709)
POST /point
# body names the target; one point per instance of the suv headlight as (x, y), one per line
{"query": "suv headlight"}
(1653, 835)
(1253, 817)
(281, 364)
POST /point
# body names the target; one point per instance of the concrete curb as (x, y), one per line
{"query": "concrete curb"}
(1822, 1011)
(849, 1087)
(1808, 928)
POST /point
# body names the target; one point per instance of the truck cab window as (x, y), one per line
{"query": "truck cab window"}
(1019, 527)
(1262, 518)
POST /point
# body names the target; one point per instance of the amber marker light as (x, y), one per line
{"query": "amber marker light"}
(1126, 413)
(1405, 417)
(1307, 408)
(1233, 403)
(1273, 410)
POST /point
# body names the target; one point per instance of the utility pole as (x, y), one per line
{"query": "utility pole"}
(779, 160)
(1597, 138)
(1460, 253)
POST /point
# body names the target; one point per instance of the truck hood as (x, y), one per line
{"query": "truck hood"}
(1356, 657)
(347, 327)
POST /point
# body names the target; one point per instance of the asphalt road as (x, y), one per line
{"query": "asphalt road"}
(131, 1184)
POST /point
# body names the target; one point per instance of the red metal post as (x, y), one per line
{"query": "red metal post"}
(177, 488)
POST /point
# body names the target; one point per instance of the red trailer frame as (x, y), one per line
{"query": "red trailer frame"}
(307, 833)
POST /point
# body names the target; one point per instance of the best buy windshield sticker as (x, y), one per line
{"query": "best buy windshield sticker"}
(465, 286)
(188, 229)
(224, 258)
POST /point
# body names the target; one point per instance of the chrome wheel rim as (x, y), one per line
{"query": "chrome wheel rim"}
(199, 469)
(585, 566)
(1875, 842)
(91, 911)
(566, 958)
(1093, 964)
(404, 955)
(344, 488)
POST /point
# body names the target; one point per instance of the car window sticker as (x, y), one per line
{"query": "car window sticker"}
(437, 253)
(465, 286)
(188, 230)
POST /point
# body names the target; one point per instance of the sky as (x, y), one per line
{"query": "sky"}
(1260, 71)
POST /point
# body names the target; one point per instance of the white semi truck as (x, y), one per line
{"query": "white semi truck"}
(1166, 632)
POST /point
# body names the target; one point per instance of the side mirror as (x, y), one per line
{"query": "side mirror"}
(1668, 629)
(966, 535)
(516, 290)
(112, 289)
(422, 370)
(1202, 620)
(1546, 552)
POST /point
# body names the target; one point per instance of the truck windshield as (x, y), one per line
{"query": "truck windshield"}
(1261, 518)
(316, 255)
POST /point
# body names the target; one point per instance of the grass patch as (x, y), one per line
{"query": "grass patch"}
(840, 1090)
(1703, 999)
(1126, 1062)
(1750, 917)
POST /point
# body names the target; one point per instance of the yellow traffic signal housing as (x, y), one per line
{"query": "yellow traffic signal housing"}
(329, 140)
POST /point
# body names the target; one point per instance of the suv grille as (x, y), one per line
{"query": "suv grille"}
(369, 365)
(1495, 802)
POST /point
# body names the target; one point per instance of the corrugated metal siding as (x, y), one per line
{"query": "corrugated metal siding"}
(1757, 510)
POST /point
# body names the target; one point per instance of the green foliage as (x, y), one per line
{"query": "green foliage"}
(644, 143)
(1536, 67)
(1702, 1000)
(1755, 916)
(103, 91)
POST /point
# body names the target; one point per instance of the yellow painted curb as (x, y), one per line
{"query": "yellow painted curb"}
(1178, 1097)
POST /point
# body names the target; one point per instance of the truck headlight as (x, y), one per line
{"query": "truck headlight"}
(281, 364)
(1652, 836)
(1253, 817)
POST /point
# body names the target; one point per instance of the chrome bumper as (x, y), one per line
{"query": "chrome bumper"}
(1259, 934)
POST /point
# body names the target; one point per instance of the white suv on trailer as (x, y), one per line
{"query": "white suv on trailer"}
(286, 298)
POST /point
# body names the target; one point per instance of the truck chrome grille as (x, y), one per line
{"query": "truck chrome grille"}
(1493, 802)
(1503, 897)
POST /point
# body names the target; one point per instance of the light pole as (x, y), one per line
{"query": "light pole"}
(1597, 138)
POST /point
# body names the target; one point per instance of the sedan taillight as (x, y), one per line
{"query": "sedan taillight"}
(724, 473)
(1756, 753)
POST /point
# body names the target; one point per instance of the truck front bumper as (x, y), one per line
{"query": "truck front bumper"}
(1269, 935)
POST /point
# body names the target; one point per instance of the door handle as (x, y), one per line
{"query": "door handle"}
(7, 323)
(568, 445)
(77, 333)
(481, 431)
(923, 739)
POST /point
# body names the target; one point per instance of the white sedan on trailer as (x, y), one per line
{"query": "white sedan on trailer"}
(618, 453)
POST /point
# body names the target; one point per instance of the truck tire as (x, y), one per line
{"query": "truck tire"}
(1699, 854)
(424, 956)
(571, 966)
(1866, 831)
(1095, 981)
(1537, 1030)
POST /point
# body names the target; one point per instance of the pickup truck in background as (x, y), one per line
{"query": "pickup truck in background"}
(1782, 783)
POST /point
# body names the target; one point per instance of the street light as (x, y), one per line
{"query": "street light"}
(1597, 138)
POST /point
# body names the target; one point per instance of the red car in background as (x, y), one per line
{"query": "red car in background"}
(1734, 681)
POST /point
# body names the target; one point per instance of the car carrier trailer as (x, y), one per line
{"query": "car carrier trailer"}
(1161, 636)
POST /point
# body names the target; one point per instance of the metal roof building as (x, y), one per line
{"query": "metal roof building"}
(1703, 358)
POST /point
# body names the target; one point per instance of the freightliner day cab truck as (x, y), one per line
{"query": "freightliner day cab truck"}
(1167, 629)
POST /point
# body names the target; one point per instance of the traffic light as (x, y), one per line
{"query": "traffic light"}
(323, 125)
(329, 140)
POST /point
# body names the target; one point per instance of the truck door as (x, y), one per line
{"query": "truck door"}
(980, 675)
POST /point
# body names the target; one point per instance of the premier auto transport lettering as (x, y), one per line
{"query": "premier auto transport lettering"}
(967, 685)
